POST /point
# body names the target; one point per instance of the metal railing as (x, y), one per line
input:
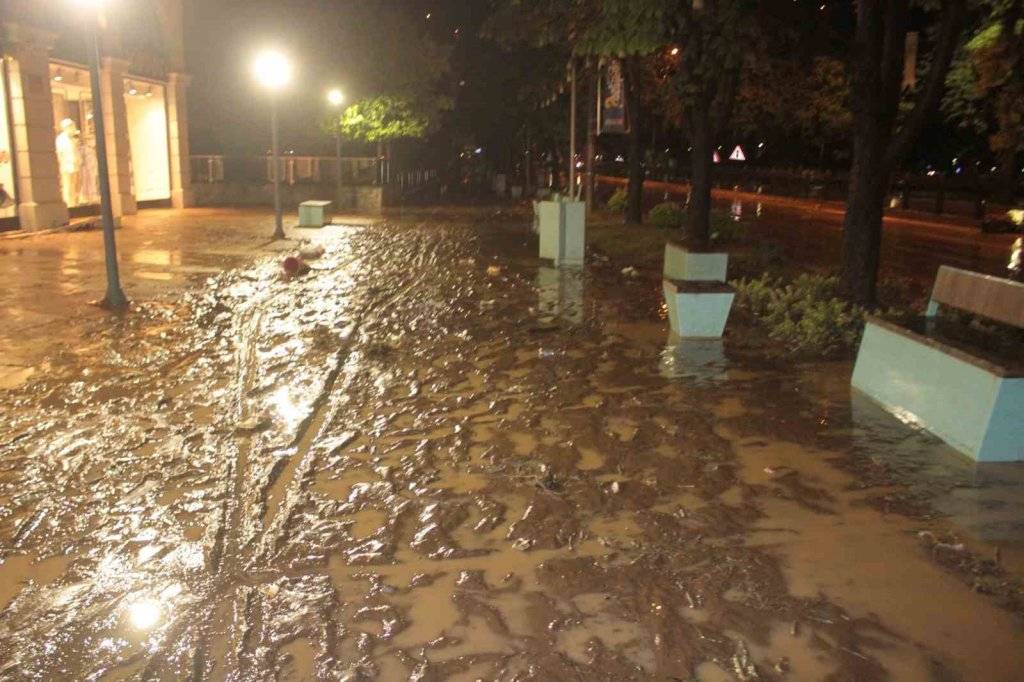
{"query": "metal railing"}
(294, 170)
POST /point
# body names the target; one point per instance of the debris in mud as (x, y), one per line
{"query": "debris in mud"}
(493, 270)
(293, 266)
(630, 272)
(311, 251)
(742, 665)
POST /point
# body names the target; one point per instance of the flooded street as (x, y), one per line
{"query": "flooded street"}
(435, 457)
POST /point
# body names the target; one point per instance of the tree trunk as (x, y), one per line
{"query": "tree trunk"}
(1006, 178)
(635, 170)
(697, 230)
(862, 227)
(878, 147)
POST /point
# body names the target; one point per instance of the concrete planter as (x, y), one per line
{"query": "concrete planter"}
(696, 294)
(696, 266)
(698, 309)
(563, 227)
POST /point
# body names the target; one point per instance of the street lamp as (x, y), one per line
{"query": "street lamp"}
(336, 98)
(115, 298)
(273, 70)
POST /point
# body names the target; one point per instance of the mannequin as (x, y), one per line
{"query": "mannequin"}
(70, 161)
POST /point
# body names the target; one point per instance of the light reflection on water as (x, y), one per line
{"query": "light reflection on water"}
(560, 293)
(701, 360)
(144, 614)
(290, 411)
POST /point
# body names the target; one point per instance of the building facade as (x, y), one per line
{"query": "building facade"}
(48, 166)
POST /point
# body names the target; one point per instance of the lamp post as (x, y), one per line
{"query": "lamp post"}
(273, 70)
(335, 97)
(114, 298)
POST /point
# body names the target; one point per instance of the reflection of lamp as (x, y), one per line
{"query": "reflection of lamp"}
(144, 614)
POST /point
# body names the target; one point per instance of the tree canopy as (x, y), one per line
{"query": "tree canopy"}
(381, 119)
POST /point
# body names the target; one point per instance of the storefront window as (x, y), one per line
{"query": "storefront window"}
(8, 206)
(147, 136)
(75, 135)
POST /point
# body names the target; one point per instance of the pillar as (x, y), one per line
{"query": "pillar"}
(177, 135)
(40, 205)
(115, 118)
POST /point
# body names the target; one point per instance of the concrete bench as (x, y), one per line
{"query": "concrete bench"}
(314, 213)
(952, 380)
(698, 299)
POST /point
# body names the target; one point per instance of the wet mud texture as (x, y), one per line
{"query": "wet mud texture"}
(427, 459)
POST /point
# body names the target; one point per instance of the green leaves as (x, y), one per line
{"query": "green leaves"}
(381, 119)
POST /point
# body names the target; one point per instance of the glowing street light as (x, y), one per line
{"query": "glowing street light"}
(336, 98)
(273, 70)
(115, 298)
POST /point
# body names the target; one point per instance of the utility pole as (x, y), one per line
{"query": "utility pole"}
(275, 153)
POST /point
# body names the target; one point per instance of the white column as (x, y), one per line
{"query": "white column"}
(115, 117)
(40, 205)
(177, 134)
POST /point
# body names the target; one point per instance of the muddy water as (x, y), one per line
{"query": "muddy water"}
(432, 459)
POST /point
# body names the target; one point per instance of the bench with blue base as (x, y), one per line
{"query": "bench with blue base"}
(696, 294)
(947, 377)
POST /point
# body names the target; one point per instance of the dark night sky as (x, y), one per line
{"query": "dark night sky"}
(346, 43)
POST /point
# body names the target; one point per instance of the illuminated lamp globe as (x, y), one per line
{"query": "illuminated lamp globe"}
(272, 69)
(335, 97)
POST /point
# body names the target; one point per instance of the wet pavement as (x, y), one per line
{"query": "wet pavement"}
(435, 458)
(49, 279)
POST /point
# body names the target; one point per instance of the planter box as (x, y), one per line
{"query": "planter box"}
(563, 227)
(694, 266)
(698, 309)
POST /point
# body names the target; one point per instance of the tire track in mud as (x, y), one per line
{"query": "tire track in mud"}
(248, 539)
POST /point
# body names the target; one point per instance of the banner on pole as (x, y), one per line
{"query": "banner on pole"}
(611, 99)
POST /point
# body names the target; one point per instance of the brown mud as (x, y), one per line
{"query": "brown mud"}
(432, 458)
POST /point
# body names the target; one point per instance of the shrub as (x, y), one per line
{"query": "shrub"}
(617, 201)
(807, 315)
(668, 214)
(725, 229)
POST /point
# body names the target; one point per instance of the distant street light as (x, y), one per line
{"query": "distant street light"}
(273, 70)
(115, 298)
(335, 97)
